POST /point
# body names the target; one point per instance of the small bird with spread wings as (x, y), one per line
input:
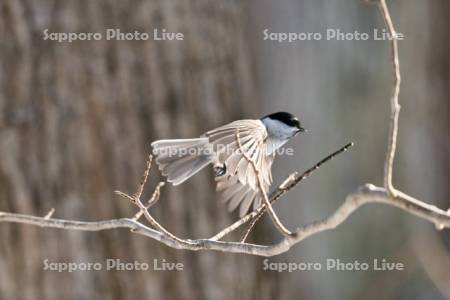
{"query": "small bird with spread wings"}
(229, 148)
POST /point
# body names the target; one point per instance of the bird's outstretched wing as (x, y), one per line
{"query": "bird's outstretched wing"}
(239, 185)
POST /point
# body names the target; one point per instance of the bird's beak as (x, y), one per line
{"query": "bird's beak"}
(301, 129)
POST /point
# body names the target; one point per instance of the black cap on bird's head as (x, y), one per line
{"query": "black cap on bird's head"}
(287, 119)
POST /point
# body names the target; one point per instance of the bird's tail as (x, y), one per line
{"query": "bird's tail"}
(181, 159)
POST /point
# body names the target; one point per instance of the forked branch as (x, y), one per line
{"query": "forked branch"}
(366, 194)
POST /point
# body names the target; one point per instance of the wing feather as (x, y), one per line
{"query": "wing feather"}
(237, 199)
(247, 202)
(239, 185)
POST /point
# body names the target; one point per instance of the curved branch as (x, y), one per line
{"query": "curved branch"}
(367, 194)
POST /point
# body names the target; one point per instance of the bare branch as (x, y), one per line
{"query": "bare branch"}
(152, 201)
(366, 194)
(295, 179)
(143, 209)
(50, 213)
(251, 226)
(156, 225)
(126, 196)
(395, 106)
(140, 189)
(237, 224)
(290, 182)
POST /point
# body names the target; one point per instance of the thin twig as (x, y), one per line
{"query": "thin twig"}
(395, 106)
(144, 177)
(50, 213)
(126, 196)
(251, 226)
(236, 224)
(150, 219)
(287, 185)
(143, 209)
(158, 226)
(267, 204)
(152, 201)
(290, 182)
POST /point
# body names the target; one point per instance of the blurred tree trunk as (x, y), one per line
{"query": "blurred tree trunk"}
(76, 121)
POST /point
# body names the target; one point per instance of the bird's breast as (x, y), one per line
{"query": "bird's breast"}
(274, 143)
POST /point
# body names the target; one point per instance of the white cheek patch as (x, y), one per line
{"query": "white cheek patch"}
(278, 134)
(278, 130)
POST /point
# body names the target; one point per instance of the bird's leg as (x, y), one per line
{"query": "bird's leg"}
(219, 169)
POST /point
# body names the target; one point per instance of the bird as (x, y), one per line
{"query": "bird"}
(228, 149)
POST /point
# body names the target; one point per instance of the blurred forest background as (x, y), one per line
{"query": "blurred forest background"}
(76, 121)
